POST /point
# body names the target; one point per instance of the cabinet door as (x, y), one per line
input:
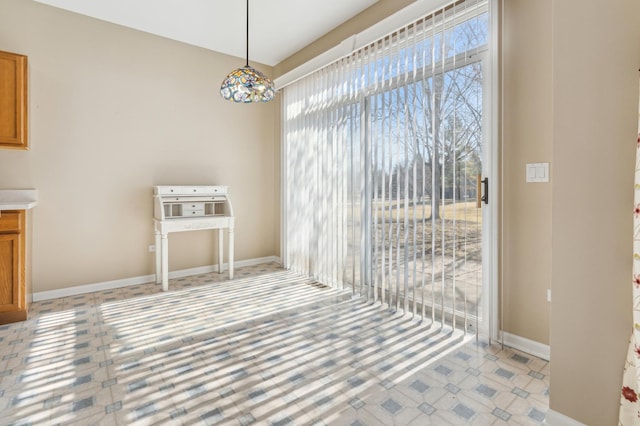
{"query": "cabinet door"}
(13, 101)
(10, 297)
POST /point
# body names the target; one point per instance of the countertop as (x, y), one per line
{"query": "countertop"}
(18, 199)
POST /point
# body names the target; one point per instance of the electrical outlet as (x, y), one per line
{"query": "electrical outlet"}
(152, 248)
(548, 295)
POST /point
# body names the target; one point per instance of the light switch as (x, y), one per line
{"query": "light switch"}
(538, 172)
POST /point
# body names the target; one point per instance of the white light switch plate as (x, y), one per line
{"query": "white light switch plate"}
(537, 172)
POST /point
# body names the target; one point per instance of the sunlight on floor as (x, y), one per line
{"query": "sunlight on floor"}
(268, 347)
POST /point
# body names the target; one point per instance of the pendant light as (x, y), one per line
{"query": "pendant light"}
(247, 84)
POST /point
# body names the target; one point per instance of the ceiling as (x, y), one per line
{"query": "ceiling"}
(277, 28)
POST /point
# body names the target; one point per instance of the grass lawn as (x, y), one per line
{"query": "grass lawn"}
(460, 210)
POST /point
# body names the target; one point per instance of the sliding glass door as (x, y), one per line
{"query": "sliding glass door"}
(383, 155)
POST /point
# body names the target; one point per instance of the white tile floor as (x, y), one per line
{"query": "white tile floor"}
(268, 347)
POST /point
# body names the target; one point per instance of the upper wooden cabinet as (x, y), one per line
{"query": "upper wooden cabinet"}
(13, 101)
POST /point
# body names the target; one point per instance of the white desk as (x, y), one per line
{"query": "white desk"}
(191, 208)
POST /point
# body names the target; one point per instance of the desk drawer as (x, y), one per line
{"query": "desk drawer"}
(192, 212)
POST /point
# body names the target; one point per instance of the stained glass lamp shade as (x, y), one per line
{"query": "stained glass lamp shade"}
(247, 84)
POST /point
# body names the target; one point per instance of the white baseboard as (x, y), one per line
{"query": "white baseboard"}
(553, 418)
(126, 282)
(525, 345)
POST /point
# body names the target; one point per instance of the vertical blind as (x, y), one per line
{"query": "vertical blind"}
(381, 151)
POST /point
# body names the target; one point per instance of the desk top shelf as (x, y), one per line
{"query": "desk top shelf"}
(180, 202)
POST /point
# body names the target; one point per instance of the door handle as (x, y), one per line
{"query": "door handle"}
(480, 183)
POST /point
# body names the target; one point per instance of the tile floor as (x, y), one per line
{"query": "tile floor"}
(267, 348)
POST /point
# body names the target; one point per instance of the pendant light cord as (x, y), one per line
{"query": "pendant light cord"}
(247, 64)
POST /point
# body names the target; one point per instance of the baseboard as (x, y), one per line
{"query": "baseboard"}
(126, 282)
(525, 345)
(553, 418)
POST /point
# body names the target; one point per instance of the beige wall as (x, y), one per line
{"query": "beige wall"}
(114, 112)
(527, 138)
(596, 56)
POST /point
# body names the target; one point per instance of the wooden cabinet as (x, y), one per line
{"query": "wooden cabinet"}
(13, 289)
(13, 101)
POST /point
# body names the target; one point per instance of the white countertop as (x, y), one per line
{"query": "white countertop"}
(18, 199)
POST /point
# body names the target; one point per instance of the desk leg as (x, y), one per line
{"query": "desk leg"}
(158, 259)
(220, 250)
(165, 262)
(230, 254)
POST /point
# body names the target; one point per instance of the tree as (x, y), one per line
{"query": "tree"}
(442, 128)
(437, 120)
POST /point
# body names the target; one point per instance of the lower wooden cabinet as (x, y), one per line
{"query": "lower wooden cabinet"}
(13, 289)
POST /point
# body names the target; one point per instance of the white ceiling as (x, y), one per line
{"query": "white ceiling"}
(277, 28)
